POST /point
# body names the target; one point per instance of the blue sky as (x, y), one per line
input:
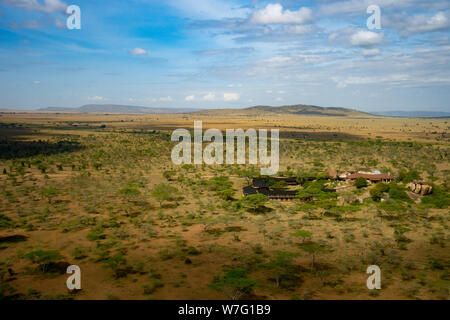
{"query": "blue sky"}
(226, 53)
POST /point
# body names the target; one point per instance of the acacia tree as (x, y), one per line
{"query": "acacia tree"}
(314, 249)
(248, 174)
(234, 284)
(254, 202)
(163, 192)
(302, 234)
(281, 265)
(49, 193)
(43, 257)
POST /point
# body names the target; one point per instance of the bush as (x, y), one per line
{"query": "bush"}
(438, 199)
(169, 174)
(96, 234)
(361, 183)
(193, 251)
(151, 288)
(5, 222)
(130, 189)
(398, 193)
(49, 193)
(118, 264)
(43, 257)
(234, 284)
(408, 176)
(377, 192)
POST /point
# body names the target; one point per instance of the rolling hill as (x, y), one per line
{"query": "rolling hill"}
(298, 109)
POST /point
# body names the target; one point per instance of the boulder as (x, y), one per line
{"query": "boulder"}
(411, 186)
(418, 188)
(331, 173)
(426, 189)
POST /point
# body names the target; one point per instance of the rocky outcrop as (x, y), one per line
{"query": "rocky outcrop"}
(420, 187)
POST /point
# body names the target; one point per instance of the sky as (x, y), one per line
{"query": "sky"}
(226, 54)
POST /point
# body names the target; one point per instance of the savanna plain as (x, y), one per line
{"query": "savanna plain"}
(100, 191)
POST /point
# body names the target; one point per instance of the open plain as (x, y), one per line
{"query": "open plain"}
(100, 191)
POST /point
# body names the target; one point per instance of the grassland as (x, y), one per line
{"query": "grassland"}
(80, 189)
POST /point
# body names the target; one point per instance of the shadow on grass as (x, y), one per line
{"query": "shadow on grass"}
(11, 149)
(13, 239)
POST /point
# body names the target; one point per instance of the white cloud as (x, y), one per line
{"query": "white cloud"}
(281, 91)
(209, 97)
(269, 91)
(364, 38)
(232, 85)
(36, 82)
(190, 98)
(358, 7)
(97, 98)
(138, 52)
(300, 29)
(408, 25)
(231, 96)
(49, 6)
(370, 52)
(274, 14)
(166, 99)
(279, 99)
(365, 80)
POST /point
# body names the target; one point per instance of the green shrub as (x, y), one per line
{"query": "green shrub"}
(361, 183)
(437, 199)
(234, 284)
(398, 193)
(6, 222)
(43, 257)
(377, 192)
(96, 234)
(408, 176)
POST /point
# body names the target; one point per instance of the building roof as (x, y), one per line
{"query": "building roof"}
(261, 182)
(249, 190)
(264, 182)
(278, 192)
(369, 176)
(269, 193)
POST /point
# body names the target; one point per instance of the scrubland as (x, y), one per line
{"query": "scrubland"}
(101, 192)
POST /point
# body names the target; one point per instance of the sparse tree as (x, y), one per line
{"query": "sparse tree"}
(49, 193)
(43, 257)
(254, 202)
(234, 284)
(302, 234)
(314, 249)
(164, 192)
(281, 265)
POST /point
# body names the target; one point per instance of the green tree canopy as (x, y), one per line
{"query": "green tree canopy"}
(164, 192)
(43, 257)
(254, 202)
(361, 182)
(302, 234)
(234, 284)
(49, 193)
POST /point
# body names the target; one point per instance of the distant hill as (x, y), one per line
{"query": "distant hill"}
(414, 114)
(116, 108)
(298, 109)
